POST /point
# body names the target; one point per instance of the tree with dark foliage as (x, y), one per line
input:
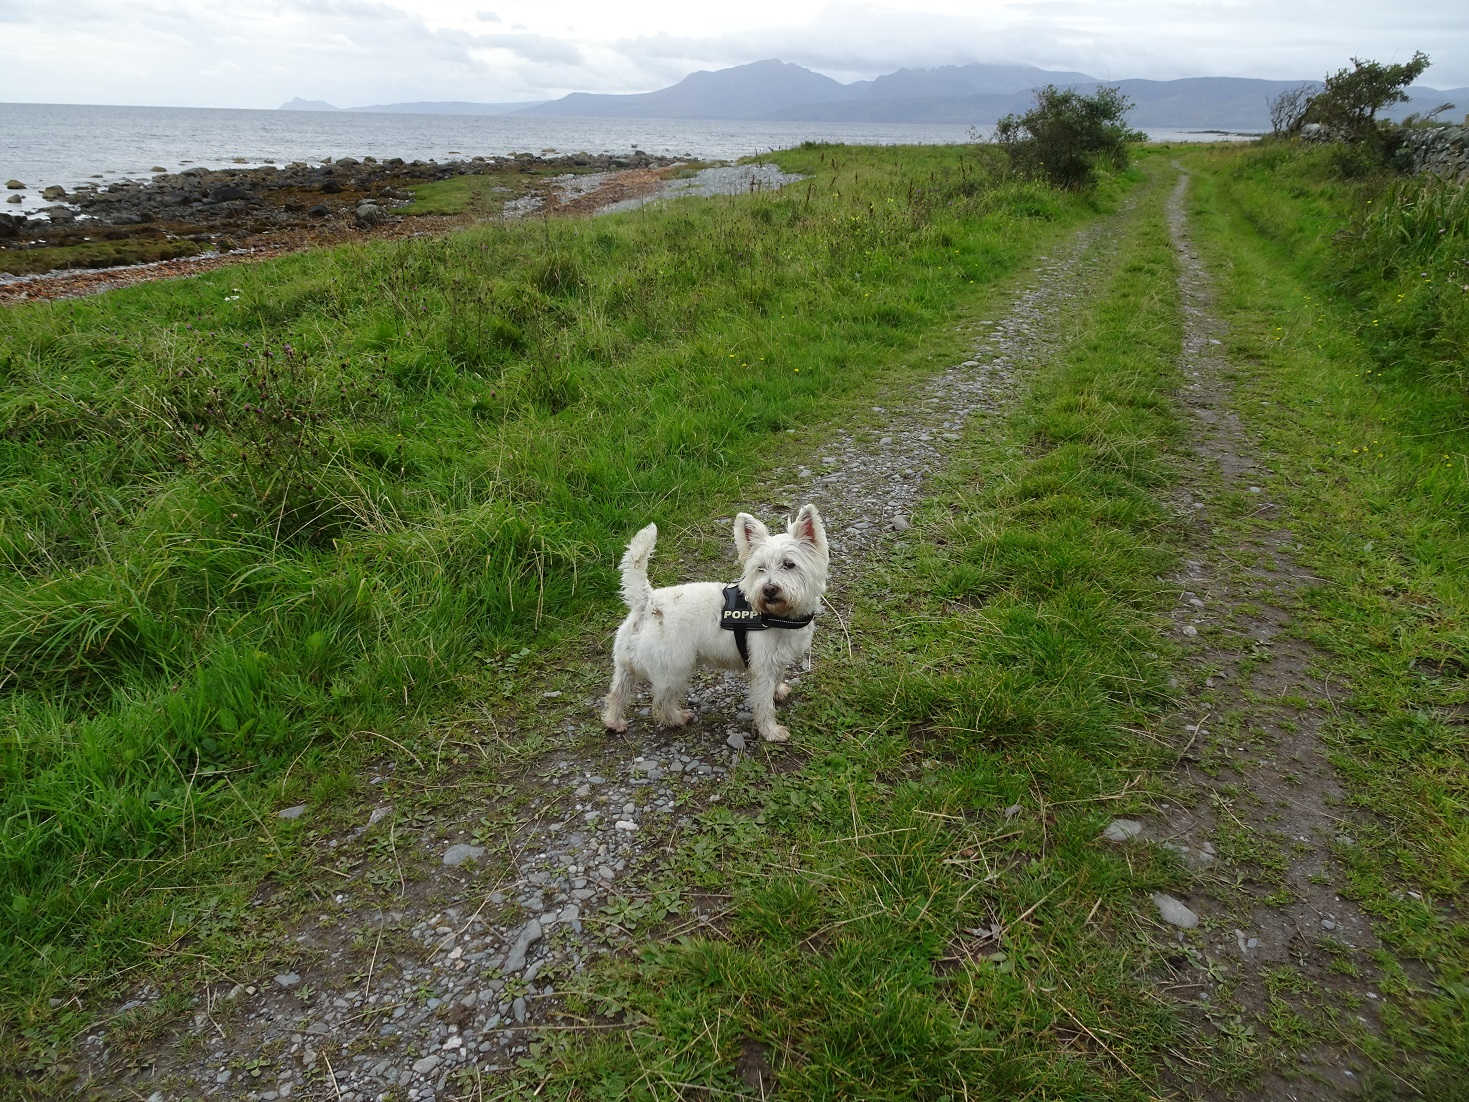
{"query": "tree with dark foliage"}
(1347, 107)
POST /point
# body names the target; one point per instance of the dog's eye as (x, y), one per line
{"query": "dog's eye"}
(788, 565)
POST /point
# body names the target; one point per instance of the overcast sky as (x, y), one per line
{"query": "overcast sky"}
(355, 52)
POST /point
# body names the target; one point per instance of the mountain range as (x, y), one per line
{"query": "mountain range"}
(975, 95)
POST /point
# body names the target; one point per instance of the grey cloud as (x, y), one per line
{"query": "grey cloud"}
(1112, 41)
(532, 47)
(374, 51)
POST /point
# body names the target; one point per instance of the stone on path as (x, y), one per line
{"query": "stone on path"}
(292, 812)
(1122, 830)
(530, 933)
(461, 852)
(1174, 911)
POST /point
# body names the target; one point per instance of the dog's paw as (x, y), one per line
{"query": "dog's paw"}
(616, 726)
(677, 717)
(777, 733)
(782, 693)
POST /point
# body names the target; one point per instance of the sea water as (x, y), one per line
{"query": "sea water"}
(69, 144)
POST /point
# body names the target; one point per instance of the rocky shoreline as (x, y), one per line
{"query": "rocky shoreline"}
(202, 210)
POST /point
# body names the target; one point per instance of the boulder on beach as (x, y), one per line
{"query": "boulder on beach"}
(54, 192)
(13, 199)
(11, 225)
(369, 214)
(59, 214)
(15, 185)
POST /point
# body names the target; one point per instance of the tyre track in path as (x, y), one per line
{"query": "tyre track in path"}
(1262, 805)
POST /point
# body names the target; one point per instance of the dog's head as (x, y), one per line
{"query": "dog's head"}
(785, 575)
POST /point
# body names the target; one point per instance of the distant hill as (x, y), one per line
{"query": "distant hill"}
(976, 95)
(299, 104)
(951, 81)
(759, 90)
(973, 95)
(423, 107)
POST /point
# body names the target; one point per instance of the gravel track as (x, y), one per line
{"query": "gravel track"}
(453, 981)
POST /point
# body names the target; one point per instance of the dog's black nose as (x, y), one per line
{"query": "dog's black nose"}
(772, 591)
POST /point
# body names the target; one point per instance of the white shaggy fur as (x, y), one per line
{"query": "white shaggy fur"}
(669, 631)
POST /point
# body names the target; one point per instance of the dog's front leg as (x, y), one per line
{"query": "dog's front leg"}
(763, 684)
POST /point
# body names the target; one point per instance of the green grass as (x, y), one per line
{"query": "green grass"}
(269, 526)
(481, 196)
(1365, 420)
(954, 775)
(102, 254)
(262, 525)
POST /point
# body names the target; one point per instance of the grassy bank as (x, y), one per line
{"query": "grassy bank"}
(922, 908)
(259, 525)
(1345, 329)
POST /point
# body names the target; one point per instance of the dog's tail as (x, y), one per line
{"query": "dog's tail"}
(635, 588)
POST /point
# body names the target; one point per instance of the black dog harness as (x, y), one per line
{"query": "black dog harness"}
(737, 616)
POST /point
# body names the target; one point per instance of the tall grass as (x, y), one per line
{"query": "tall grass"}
(1408, 253)
(253, 520)
(1397, 248)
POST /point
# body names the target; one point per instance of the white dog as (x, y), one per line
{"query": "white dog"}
(763, 622)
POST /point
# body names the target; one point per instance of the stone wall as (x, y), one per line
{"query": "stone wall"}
(1442, 150)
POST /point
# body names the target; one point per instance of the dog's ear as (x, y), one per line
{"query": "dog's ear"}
(807, 528)
(749, 534)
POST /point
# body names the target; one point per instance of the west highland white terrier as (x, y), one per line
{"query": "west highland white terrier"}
(762, 623)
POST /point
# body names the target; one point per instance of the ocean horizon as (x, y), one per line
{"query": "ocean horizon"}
(42, 145)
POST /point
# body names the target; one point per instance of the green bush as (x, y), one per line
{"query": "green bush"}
(1066, 134)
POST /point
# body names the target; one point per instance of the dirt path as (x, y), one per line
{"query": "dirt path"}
(491, 915)
(1262, 806)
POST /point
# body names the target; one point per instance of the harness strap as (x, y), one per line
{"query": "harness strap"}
(738, 617)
